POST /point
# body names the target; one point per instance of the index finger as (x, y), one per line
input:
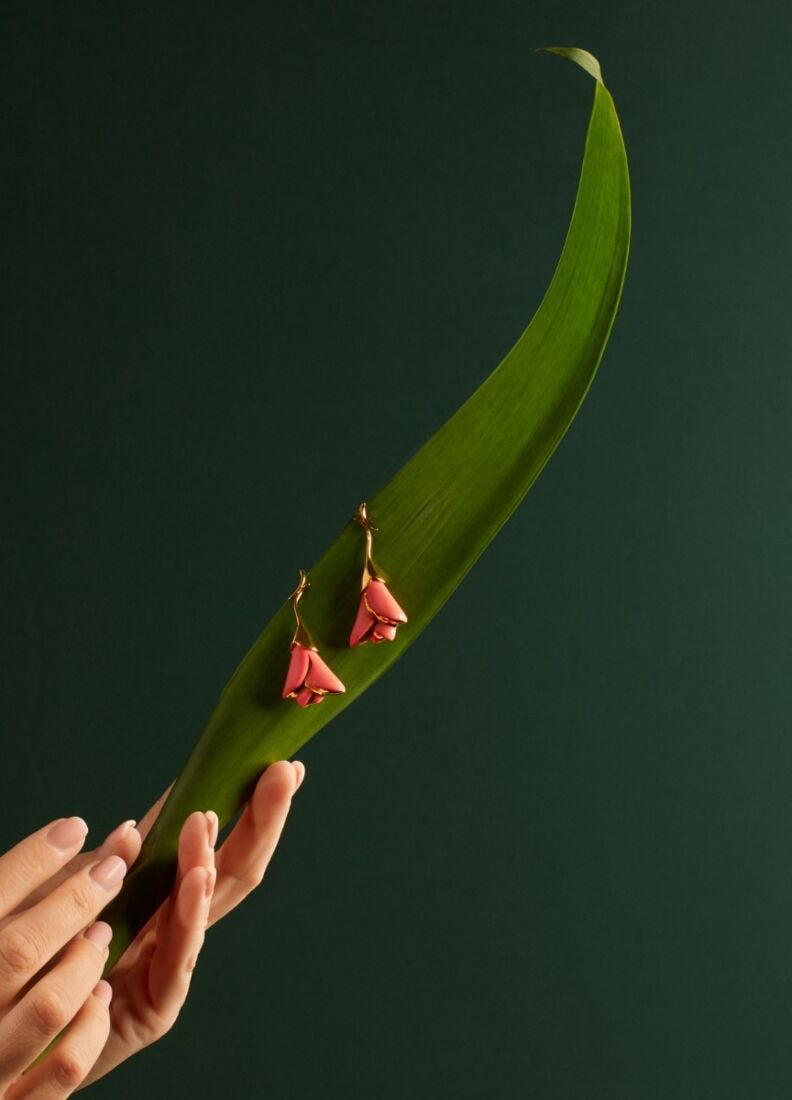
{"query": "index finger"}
(244, 856)
(37, 858)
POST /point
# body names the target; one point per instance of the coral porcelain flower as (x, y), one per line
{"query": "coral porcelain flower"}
(309, 678)
(378, 614)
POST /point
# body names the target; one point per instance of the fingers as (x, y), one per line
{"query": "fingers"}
(196, 849)
(37, 858)
(123, 841)
(196, 843)
(32, 938)
(182, 925)
(68, 1064)
(179, 944)
(50, 1004)
(152, 978)
(246, 852)
(193, 850)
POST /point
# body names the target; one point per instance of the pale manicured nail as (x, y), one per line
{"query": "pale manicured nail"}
(103, 992)
(211, 879)
(67, 834)
(299, 771)
(117, 835)
(109, 872)
(213, 827)
(99, 934)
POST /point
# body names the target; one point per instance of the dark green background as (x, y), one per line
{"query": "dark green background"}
(255, 255)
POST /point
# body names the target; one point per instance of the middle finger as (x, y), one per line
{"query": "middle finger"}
(35, 936)
(124, 841)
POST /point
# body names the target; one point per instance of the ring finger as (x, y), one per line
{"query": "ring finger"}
(67, 1066)
(52, 1002)
(31, 939)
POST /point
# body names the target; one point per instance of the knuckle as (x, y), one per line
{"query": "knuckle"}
(50, 1010)
(10, 890)
(25, 867)
(19, 953)
(82, 901)
(30, 861)
(69, 1067)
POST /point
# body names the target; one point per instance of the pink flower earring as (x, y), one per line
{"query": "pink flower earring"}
(308, 679)
(378, 614)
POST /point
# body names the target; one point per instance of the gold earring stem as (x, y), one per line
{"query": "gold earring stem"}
(301, 635)
(370, 572)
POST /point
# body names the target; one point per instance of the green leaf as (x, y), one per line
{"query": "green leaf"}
(435, 518)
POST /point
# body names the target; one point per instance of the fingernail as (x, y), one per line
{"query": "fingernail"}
(109, 872)
(299, 770)
(99, 934)
(213, 826)
(103, 992)
(117, 835)
(211, 878)
(66, 834)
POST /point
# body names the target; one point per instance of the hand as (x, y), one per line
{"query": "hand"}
(52, 952)
(50, 962)
(151, 979)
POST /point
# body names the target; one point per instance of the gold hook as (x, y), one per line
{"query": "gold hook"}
(370, 572)
(301, 635)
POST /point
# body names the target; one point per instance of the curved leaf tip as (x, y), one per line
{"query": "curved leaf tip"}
(583, 58)
(437, 515)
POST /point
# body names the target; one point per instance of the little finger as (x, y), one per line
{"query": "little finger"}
(71, 1060)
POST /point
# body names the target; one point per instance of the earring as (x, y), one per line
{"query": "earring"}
(378, 614)
(309, 679)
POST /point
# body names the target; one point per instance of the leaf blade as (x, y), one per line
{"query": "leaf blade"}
(436, 515)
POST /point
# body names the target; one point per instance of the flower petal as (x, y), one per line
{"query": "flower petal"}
(386, 632)
(321, 675)
(304, 697)
(382, 603)
(363, 623)
(298, 667)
